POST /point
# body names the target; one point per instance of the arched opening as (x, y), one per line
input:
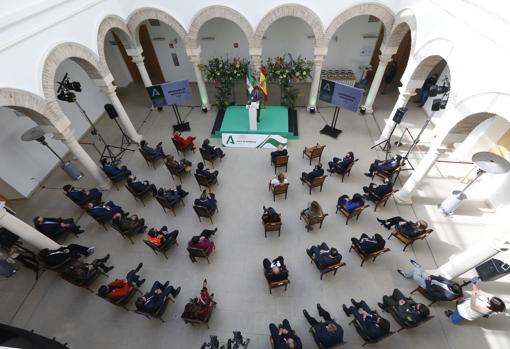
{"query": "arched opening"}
(120, 64)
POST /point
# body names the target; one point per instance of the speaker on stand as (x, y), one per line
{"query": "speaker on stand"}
(397, 118)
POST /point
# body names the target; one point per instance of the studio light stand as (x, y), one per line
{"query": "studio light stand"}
(331, 130)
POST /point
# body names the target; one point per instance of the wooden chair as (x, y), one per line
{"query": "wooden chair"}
(139, 196)
(206, 156)
(312, 220)
(195, 253)
(125, 233)
(387, 174)
(163, 248)
(346, 172)
(381, 200)
(367, 339)
(365, 256)
(204, 182)
(314, 183)
(117, 179)
(277, 284)
(205, 322)
(183, 149)
(101, 221)
(151, 161)
(175, 172)
(354, 213)
(406, 240)
(314, 152)
(275, 226)
(332, 268)
(279, 189)
(204, 212)
(280, 161)
(158, 313)
(165, 204)
(121, 302)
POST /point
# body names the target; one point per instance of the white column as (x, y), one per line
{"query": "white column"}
(127, 125)
(376, 82)
(402, 100)
(194, 57)
(316, 79)
(472, 257)
(404, 195)
(138, 60)
(25, 232)
(67, 137)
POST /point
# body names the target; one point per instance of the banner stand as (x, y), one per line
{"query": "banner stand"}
(331, 130)
(180, 126)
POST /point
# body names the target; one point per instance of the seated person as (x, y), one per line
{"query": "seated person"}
(340, 165)
(215, 152)
(369, 244)
(183, 141)
(280, 152)
(328, 333)
(160, 237)
(153, 300)
(481, 304)
(376, 192)
(270, 215)
(54, 227)
(104, 211)
(203, 241)
(351, 204)
(112, 170)
(153, 153)
(180, 166)
(408, 228)
(280, 179)
(313, 210)
(118, 288)
(211, 176)
(53, 258)
(316, 172)
(386, 166)
(129, 225)
(324, 256)
(405, 308)
(140, 187)
(79, 272)
(372, 325)
(172, 195)
(275, 270)
(199, 307)
(437, 287)
(82, 197)
(284, 337)
(207, 200)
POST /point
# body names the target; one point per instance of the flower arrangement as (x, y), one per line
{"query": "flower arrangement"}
(285, 71)
(224, 73)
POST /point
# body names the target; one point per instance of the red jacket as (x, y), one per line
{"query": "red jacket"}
(184, 141)
(120, 289)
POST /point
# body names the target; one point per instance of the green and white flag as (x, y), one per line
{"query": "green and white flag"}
(250, 81)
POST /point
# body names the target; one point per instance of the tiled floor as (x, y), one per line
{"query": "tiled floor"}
(57, 309)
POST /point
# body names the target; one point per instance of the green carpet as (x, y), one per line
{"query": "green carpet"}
(273, 120)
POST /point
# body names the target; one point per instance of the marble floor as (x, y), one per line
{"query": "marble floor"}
(58, 309)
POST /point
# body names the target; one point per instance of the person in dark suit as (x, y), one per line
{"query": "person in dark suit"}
(172, 195)
(369, 244)
(211, 176)
(55, 227)
(391, 71)
(370, 322)
(408, 228)
(425, 90)
(180, 166)
(351, 204)
(113, 171)
(129, 225)
(437, 286)
(58, 256)
(316, 172)
(153, 300)
(154, 153)
(139, 186)
(324, 256)
(275, 270)
(387, 166)
(82, 197)
(213, 151)
(207, 200)
(280, 152)
(284, 337)
(79, 272)
(376, 192)
(339, 165)
(405, 308)
(270, 215)
(104, 211)
(327, 332)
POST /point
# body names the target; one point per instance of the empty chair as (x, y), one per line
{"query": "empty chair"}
(314, 152)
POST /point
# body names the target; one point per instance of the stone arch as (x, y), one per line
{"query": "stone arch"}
(79, 54)
(136, 18)
(119, 27)
(289, 10)
(383, 13)
(405, 21)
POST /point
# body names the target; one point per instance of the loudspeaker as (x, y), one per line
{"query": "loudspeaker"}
(436, 104)
(110, 110)
(399, 114)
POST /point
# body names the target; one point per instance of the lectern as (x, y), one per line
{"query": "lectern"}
(252, 111)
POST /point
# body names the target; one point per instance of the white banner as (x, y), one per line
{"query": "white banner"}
(252, 140)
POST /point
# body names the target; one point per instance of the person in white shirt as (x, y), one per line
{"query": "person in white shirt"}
(280, 179)
(481, 304)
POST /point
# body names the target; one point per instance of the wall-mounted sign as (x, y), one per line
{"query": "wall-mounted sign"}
(236, 44)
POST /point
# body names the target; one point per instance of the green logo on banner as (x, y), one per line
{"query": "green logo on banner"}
(230, 140)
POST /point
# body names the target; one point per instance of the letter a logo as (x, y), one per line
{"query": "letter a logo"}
(155, 93)
(230, 140)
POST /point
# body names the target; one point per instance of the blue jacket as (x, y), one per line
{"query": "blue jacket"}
(328, 339)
